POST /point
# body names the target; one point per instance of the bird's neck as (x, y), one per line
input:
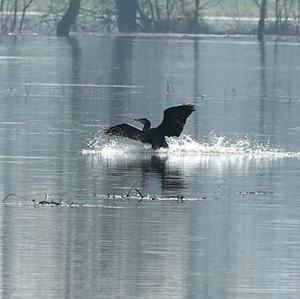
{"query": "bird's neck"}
(147, 126)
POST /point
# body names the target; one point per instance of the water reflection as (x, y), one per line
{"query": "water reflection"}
(156, 249)
(148, 171)
(263, 94)
(121, 65)
(76, 59)
(196, 77)
(187, 167)
(233, 242)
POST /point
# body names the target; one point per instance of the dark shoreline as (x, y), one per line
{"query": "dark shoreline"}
(46, 24)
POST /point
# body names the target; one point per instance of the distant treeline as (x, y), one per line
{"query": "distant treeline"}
(185, 16)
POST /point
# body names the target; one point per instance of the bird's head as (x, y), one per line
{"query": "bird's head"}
(145, 122)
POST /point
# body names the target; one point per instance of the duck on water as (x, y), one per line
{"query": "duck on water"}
(171, 125)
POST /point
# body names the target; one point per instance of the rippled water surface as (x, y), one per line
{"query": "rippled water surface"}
(220, 213)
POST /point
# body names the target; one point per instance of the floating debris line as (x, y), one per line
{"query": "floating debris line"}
(134, 194)
(34, 201)
(258, 192)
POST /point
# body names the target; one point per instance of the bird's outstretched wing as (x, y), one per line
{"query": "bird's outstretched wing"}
(124, 130)
(174, 120)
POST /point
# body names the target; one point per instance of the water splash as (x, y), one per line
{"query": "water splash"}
(219, 145)
(113, 148)
(186, 146)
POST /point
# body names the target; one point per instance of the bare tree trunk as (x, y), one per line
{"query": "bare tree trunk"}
(1, 14)
(151, 11)
(158, 10)
(261, 23)
(286, 15)
(23, 14)
(183, 9)
(50, 6)
(196, 15)
(127, 10)
(14, 21)
(146, 22)
(168, 13)
(5, 18)
(64, 25)
(277, 16)
(298, 16)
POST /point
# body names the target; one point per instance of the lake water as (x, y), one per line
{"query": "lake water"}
(220, 217)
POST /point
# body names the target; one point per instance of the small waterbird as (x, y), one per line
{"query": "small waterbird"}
(171, 125)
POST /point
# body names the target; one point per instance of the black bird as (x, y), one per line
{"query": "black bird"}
(172, 125)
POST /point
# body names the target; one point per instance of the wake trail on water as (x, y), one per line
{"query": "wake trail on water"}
(186, 146)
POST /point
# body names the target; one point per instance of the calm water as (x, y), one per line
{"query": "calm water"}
(237, 233)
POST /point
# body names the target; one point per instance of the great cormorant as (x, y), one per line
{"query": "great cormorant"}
(172, 125)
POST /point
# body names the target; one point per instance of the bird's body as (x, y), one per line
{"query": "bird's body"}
(155, 138)
(172, 125)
